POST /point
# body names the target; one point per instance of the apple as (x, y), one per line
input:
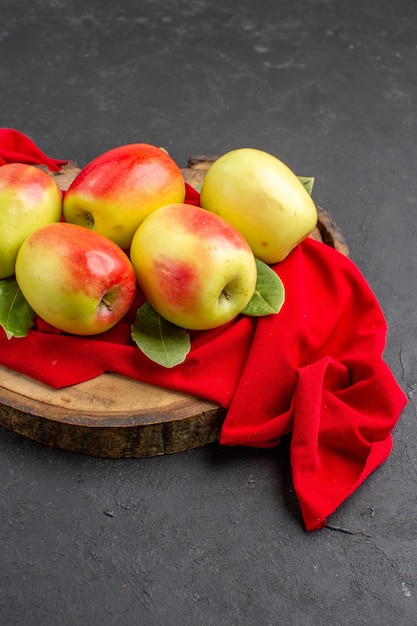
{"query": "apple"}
(262, 198)
(29, 199)
(75, 279)
(114, 193)
(194, 268)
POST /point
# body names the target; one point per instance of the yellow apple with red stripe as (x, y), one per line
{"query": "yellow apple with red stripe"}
(263, 198)
(75, 279)
(194, 268)
(114, 193)
(29, 199)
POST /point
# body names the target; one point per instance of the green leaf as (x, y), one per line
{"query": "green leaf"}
(161, 341)
(16, 316)
(269, 294)
(307, 182)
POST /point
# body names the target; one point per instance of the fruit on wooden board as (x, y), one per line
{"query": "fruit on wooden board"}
(75, 279)
(114, 193)
(195, 268)
(263, 198)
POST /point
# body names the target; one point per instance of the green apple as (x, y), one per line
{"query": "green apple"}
(194, 268)
(75, 279)
(119, 188)
(262, 198)
(29, 199)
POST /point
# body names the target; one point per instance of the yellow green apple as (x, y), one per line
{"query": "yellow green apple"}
(75, 279)
(114, 193)
(263, 198)
(29, 199)
(194, 268)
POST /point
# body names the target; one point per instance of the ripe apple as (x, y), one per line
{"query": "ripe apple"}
(262, 198)
(29, 199)
(194, 268)
(119, 188)
(75, 279)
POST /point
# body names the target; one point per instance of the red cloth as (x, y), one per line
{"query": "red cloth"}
(314, 370)
(15, 147)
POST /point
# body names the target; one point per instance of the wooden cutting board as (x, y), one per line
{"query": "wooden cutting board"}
(113, 416)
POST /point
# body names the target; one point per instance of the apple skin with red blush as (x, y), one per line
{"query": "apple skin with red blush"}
(29, 199)
(194, 268)
(114, 193)
(75, 279)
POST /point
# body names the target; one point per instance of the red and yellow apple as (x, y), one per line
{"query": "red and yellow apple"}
(114, 193)
(29, 199)
(262, 198)
(75, 279)
(194, 268)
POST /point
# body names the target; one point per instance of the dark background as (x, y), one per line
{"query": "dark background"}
(214, 536)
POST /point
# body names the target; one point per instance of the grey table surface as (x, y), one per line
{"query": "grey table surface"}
(214, 535)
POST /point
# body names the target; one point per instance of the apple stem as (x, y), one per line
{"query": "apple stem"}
(107, 304)
(227, 295)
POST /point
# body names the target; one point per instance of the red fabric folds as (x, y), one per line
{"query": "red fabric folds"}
(16, 147)
(315, 371)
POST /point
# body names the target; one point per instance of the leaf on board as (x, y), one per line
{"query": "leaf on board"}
(269, 294)
(307, 182)
(16, 316)
(162, 342)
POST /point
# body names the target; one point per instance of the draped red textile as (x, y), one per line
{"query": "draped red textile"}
(16, 147)
(315, 371)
